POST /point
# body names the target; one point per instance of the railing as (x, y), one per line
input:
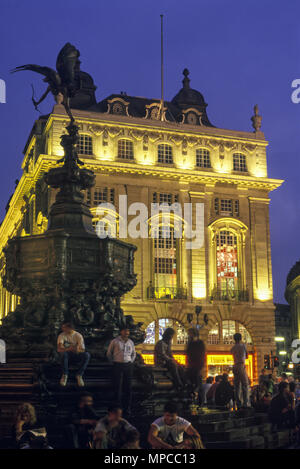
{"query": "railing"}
(163, 293)
(229, 295)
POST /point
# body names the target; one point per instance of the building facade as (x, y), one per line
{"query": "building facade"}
(142, 150)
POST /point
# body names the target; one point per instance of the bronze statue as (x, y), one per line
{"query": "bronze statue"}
(63, 83)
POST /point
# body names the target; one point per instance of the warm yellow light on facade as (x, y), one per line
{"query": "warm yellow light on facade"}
(282, 352)
(263, 294)
(149, 358)
(58, 150)
(199, 291)
(279, 339)
(259, 173)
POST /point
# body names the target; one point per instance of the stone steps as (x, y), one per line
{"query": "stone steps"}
(238, 430)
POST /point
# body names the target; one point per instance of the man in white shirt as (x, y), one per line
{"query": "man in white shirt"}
(121, 352)
(70, 344)
(239, 352)
(167, 432)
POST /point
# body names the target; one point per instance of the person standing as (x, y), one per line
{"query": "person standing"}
(163, 357)
(121, 353)
(70, 345)
(239, 352)
(195, 353)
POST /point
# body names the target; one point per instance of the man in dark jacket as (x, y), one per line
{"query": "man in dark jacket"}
(281, 413)
(195, 353)
(224, 392)
(82, 422)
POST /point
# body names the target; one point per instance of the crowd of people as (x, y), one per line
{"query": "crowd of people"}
(280, 397)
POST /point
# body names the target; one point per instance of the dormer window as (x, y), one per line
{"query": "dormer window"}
(239, 162)
(118, 106)
(164, 154)
(125, 149)
(85, 145)
(202, 158)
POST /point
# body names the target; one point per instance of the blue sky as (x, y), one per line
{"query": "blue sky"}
(238, 54)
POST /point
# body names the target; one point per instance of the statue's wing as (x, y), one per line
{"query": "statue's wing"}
(51, 75)
(65, 63)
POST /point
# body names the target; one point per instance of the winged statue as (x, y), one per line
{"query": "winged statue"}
(63, 82)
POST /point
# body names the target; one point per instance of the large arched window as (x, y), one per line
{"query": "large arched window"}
(165, 254)
(227, 251)
(223, 332)
(227, 261)
(155, 330)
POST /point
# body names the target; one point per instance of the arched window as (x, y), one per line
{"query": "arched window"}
(85, 145)
(228, 270)
(165, 262)
(239, 162)
(202, 158)
(155, 330)
(164, 154)
(103, 229)
(227, 262)
(222, 333)
(125, 149)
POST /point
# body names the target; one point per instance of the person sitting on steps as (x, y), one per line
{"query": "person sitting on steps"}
(70, 345)
(163, 357)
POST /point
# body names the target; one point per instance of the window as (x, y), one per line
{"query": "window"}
(227, 262)
(85, 145)
(164, 198)
(164, 154)
(165, 265)
(239, 162)
(222, 333)
(103, 229)
(227, 207)
(125, 149)
(88, 197)
(103, 194)
(202, 158)
(236, 208)
(155, 330)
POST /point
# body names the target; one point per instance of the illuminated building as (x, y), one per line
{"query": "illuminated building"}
(180, 159)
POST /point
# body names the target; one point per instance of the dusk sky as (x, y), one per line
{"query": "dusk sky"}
(239, 53)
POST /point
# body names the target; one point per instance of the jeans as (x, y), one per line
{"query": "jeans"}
(194, 378)
(122, 383)
(77, 436)
(84, 358)
(177, 373)
(241, 381)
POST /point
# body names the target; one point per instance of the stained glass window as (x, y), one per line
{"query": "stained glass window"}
(227, 261)
(155, 330)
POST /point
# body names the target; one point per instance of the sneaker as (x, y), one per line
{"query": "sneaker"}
(63, 380)
(80, 381)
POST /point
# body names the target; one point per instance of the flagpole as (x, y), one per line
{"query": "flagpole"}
(162, 68)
